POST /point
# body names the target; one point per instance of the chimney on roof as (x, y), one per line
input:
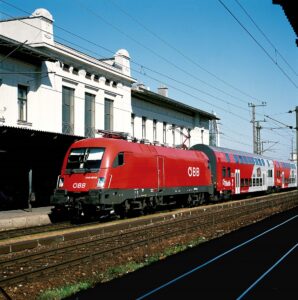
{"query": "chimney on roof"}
(141, 86)
(163, 91)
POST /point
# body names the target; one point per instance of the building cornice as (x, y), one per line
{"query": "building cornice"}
(144, 94)
(8, 44)
(79, 59)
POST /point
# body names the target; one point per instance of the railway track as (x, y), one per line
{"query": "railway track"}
(9, 234)
(27, 267)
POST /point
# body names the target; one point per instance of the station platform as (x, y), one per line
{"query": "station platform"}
(23, 218)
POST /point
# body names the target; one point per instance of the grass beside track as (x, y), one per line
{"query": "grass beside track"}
(114, 272)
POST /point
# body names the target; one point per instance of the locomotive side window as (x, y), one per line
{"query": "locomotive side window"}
(119, 160)
(84, 160)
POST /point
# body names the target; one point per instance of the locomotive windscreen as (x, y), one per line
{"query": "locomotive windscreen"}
(81, 160)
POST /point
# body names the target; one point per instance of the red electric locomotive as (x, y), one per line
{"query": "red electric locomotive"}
(101, 176)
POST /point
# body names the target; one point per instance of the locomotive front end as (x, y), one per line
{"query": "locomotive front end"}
(79, 186)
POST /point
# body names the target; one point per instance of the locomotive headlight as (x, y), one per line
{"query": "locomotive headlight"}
(101, 182)
(60, 182)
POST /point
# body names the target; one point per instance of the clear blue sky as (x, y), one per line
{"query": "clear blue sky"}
(208, 58)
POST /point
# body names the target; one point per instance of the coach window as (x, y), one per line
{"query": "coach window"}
(254, 182)
(224, 172)
(119, 160)
(229, 172)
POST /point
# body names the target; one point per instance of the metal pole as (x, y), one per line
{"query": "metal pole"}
(258, 128)
(254, 128)
(296, 137)
(253, 121)
(30, 189)
(256, 146)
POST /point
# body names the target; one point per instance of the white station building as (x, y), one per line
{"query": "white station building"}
(52, 95)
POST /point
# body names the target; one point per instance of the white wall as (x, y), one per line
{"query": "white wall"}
(163, 114)
(45, 97)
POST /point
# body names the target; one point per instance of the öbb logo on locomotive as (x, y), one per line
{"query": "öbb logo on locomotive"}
(79, 185)
(193, 171)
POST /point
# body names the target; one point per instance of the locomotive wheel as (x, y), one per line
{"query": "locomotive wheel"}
(123, 209)
(189, 201)
(151, 205)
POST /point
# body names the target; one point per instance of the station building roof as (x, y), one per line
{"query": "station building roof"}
(22, 51)
(155, 98)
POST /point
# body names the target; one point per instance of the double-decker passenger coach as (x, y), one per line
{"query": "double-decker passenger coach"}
(236, 172)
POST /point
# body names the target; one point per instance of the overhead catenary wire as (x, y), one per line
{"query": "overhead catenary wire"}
(179, 51)
(156, 53)
(262, 48)
(265, 36)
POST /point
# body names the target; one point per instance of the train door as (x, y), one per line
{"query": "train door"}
(160, 173)
(283, 180)
(237, 181)
(264, 183)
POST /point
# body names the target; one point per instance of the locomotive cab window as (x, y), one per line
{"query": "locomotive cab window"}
(81, 160)
(119, 160)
